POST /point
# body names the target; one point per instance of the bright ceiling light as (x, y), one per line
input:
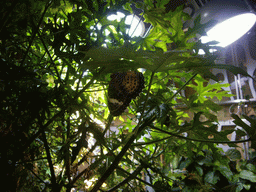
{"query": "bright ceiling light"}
(234, 19)
(136, 25)
(230, 30)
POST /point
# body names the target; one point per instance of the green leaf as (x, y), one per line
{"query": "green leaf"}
(199, 170)
(239, 187)
(199, 28)
(247, 186)
(249, 129)
(233, 154)
(252, 124)
(225, 171)
(211, 178)
(242, 124)
(251, 167)
(211, 90)
(185, 164)
(48, 171)
(232, 69)
(248, 175)
(213, 106)
(240, 133)
(196, 121)
(121, 173)
(201, 64)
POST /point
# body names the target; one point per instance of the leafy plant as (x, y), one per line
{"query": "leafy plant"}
(56, 130)
(209, 171)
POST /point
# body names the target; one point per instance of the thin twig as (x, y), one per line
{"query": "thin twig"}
(150, 142)
(110, 119)
(139, 179)
(129, 178)
(36, 176)
(22, 162)
(181, 88)
(118, 158)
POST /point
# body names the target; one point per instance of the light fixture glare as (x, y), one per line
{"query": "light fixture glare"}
(230, 30)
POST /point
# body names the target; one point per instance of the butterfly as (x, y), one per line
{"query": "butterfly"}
(123, 87)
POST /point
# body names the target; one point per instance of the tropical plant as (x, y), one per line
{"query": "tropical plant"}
(207, 171)
(57, 58)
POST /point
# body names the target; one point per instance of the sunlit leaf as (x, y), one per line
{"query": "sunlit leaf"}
(248, 175)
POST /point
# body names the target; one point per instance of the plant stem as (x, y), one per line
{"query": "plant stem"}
(67, 158)
(60, 112)
(118, 158)
(144, 106)
(47, 149)
(130, 177)
(137, 130)
(110, 119)
(181, 88)
(150, 142)
(139, 179)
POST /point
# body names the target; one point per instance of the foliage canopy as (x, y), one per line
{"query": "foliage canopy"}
(56, 129)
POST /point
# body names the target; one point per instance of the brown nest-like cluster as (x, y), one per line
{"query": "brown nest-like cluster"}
(123, 87)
